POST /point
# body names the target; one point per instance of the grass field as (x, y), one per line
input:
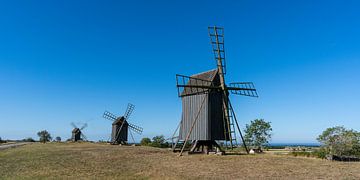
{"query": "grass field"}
(102, 161)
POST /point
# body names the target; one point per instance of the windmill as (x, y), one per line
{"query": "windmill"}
(121, 126)
(208, 116)
(77, 134)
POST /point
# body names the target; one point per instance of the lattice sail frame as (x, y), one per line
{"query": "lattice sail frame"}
(188, 86)
(243, 88)
(217, 41)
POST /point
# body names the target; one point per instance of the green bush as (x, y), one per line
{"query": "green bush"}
(58, 139)
(28, 140)
(340, 141)
(145, 141)
(302, 153)
(159, 141)
(320, 153)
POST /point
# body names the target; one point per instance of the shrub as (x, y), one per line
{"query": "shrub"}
(58, 139)
(159, 141)
(340, 141)
(29, 139)
(145, 141)
(301, 153)
(320, 153)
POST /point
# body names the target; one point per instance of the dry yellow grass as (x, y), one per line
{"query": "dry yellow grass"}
(101, 161)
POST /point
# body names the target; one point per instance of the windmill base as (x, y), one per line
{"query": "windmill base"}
(118, 143)
(205, 147)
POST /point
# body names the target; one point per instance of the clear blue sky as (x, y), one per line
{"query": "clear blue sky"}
(68, 61)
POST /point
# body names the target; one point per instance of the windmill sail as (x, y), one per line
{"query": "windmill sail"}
(108, 115)
(243, 88)
(196, 84)
(136, 128)
(217, 42)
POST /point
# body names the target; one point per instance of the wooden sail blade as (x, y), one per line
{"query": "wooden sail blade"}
(130, 108)
(108, 115)
(73, 125)
(136, 128)
(243, 88)
(84, 126)
(217, 42)
(188, 86)
(83, 137)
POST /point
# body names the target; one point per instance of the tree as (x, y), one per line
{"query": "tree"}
(145, 141)
(58, 139)
(44, 136)
(159, 141)
(340, 141)
(258, 133)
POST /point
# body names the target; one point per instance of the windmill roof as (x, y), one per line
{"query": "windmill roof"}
(75, 130)
(119, 120)
(207, 76)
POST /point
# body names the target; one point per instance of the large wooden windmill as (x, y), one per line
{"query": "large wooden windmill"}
(77, 134)
(121, 126)
(208, 115)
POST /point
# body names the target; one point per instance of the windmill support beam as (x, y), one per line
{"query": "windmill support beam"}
(205, 147)
(238, 127)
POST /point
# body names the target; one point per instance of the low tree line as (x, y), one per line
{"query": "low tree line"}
(2, 141)
(157, 141)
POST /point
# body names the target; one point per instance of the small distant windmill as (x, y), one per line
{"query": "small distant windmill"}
(121, 126)
(208, 115)
(77, 134)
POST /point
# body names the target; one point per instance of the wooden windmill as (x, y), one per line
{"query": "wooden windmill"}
(208, 115)
(121, 126)
(77, 134)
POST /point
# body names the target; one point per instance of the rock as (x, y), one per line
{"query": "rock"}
(251, 151)
(220, 153)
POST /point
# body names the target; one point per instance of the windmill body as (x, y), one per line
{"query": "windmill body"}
(122, 133)
(76, 134)
(210, 123)
(208, 116)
